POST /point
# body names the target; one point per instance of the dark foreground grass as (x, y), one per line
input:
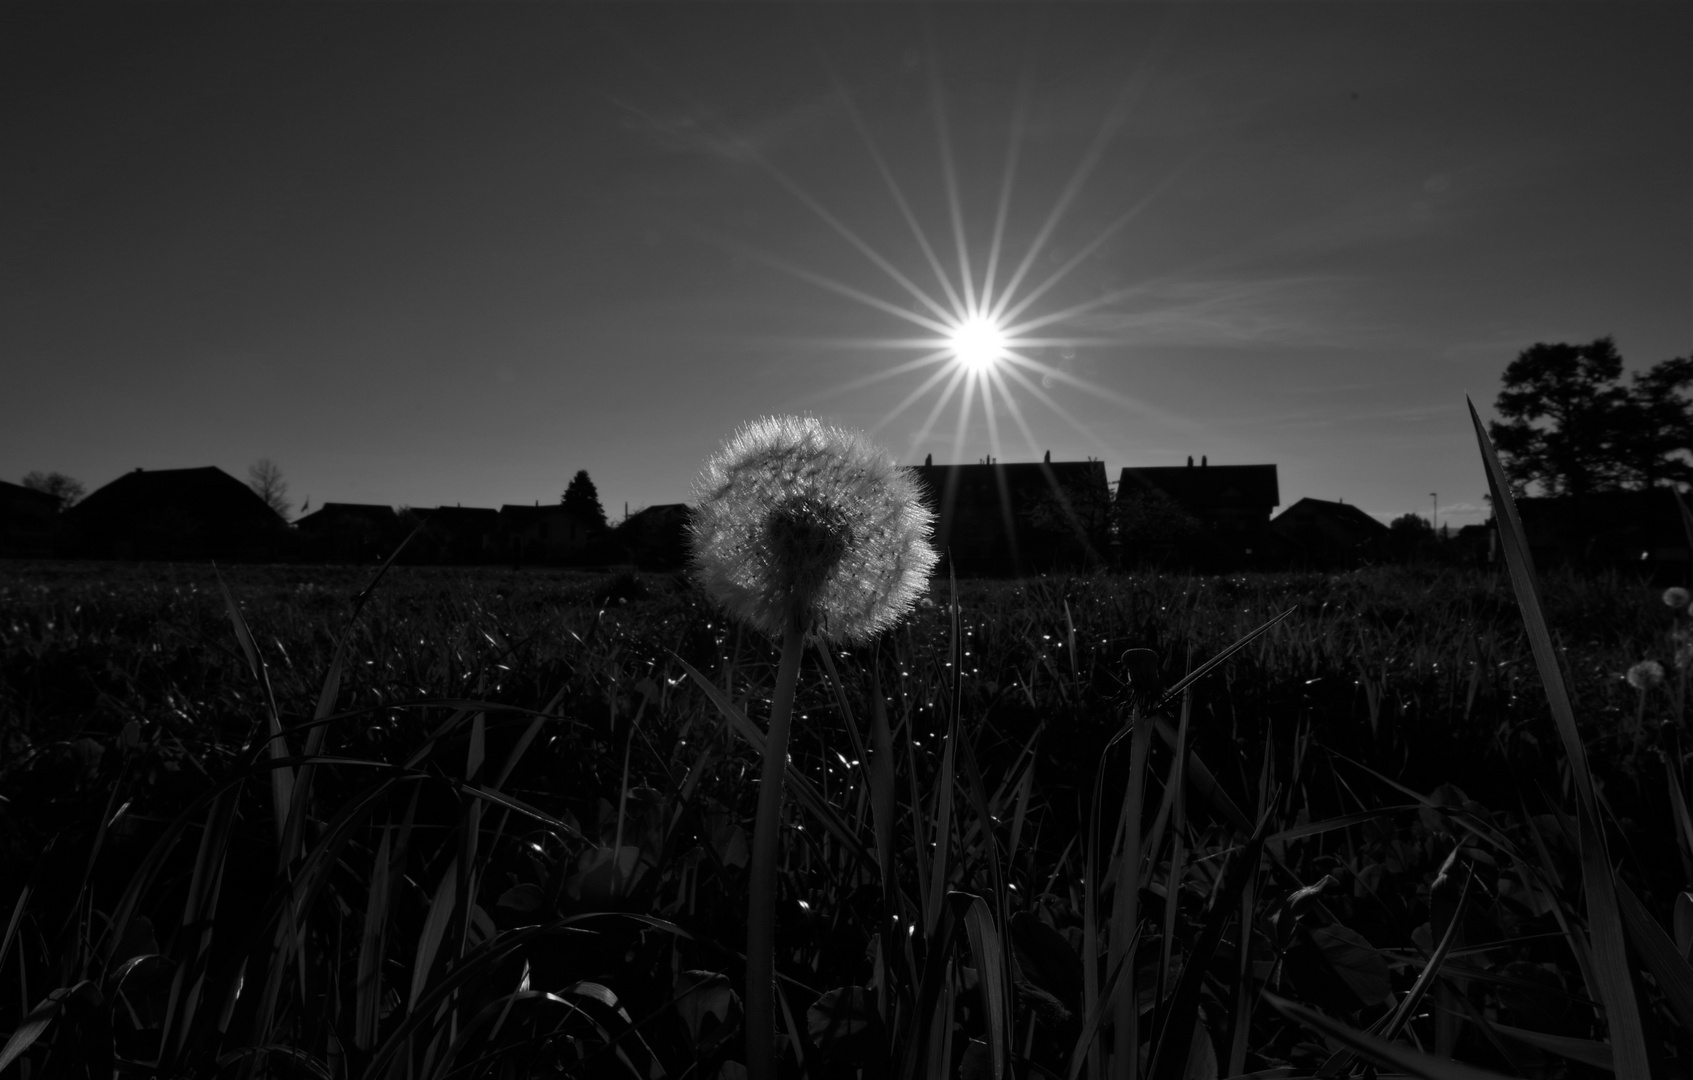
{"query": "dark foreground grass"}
(506, 834)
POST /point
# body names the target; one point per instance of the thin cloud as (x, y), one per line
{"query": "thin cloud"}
(1285, 311)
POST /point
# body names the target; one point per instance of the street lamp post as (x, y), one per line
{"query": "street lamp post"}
(1434, 510)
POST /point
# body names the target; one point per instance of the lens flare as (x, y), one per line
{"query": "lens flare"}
(978, 343)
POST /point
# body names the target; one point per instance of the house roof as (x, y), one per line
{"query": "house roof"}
(1022, 481)
(461, 517)
(17, 493)
(659, 513)
(334, 511)
(208, 493)
(1346, 515)
(517, 515)
(1207, 486)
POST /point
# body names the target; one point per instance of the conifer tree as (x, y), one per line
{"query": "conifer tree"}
(583, 499)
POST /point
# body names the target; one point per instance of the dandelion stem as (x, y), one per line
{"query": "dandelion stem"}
(761, 899)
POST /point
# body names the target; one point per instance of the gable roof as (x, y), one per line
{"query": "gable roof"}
(1021, 481)
(1323, 512)
(519, 516)
(206, 493)
(1207, 487)
(16, 494)
(461, 520)
(331, 512)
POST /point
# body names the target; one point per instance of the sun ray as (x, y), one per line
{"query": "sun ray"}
(897, 370)
(823, 282)
(1014, 358)
(1015, 409)
(1008, 314)
(951, 370)
(1108, 127)
(1074, 310)
(963, 428)
(987, 413)
(958, 376)
(1046, 399)
(1060, 375)
(853, 238)
(898, 194)
(949, 176)
(1013, 150)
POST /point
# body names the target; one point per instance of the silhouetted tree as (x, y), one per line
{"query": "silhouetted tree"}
(1571, 427)
(583, 499)
(1562, 416)
(58, 485)
(1656, 435)
(1410, 536)
(265, 478)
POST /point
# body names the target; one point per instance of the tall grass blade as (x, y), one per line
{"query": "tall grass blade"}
(1173, 1041)
(943, 824)
(281, 777)
(1610, 951)
(367, 985)
(990, 929)
(434, 930)
(1662, 958)
(1205, 669)
(1402, 1059)
(1125, 903)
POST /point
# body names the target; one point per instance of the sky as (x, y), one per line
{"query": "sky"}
(439, 254)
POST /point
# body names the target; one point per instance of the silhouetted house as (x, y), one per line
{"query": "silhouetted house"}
(1320, 534)
(540, 534)
(1613, 528)
(176, 514)
(350, 532)
(1230, 504)
(457, 534)
(655, 538)
(29, 521)
(1026, 517)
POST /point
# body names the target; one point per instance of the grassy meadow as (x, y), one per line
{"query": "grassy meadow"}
(495, 823)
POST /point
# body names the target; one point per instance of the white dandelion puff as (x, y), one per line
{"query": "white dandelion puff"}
(802, 523)
(1675, 596)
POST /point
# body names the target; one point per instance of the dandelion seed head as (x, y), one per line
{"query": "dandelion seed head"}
(801, 523)
(1676, 596)
(1683, 655)
(1646, 674)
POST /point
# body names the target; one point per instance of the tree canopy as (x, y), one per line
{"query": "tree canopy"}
(58, 485)
(265, 478)
(1572, 427)
(583, 499)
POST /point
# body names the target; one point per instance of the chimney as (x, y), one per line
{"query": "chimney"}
(928, 460)
(1190, 461)
(1049, 457)
(1201, 461)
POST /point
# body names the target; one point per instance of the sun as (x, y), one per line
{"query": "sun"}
(982, 339)
(978, 343)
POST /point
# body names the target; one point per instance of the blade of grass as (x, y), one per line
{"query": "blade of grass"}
(1610, 951)
(1658, 951)
(1125, 903)
(1403, 1059)
(281, 778)
(1173, 1040)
